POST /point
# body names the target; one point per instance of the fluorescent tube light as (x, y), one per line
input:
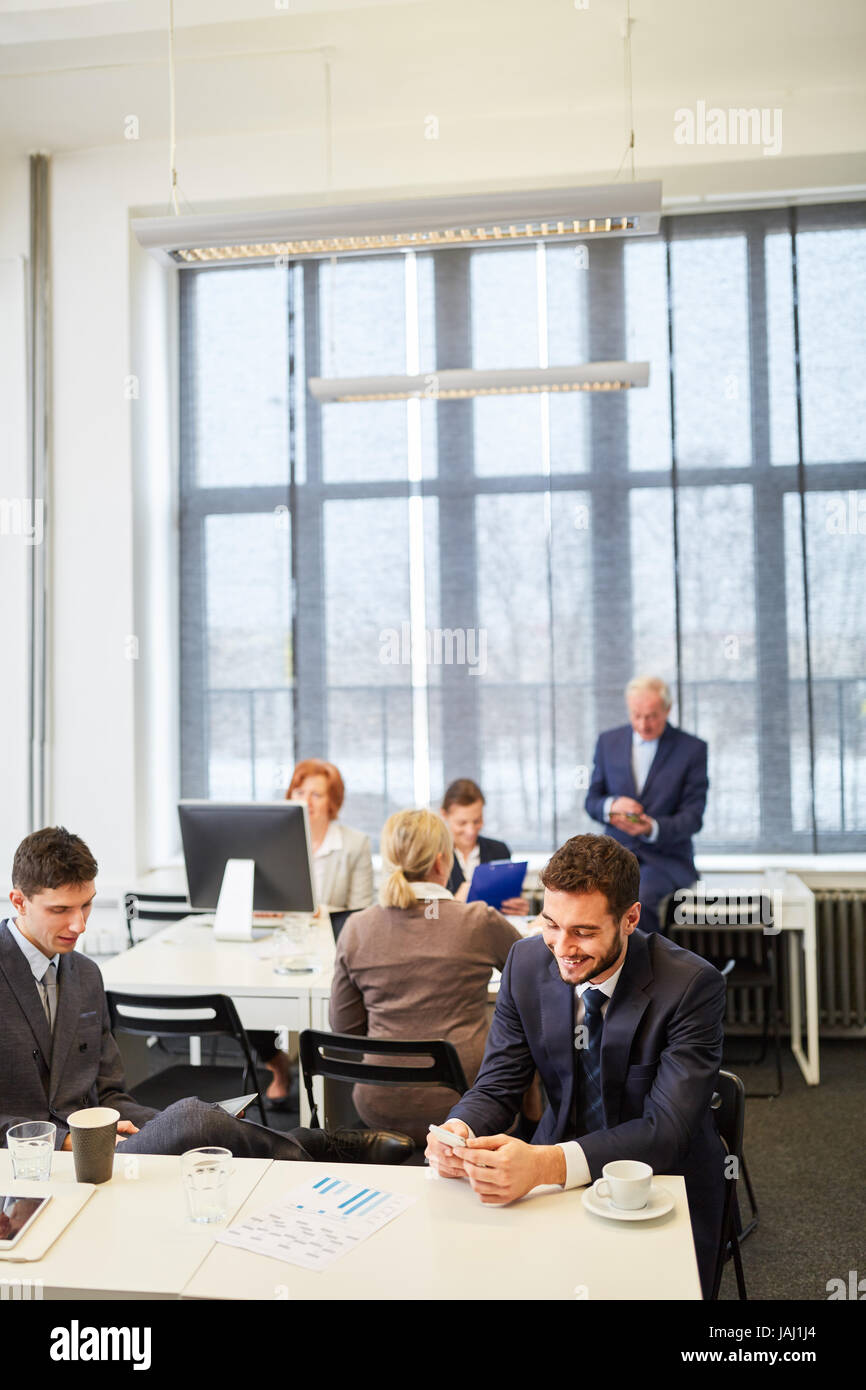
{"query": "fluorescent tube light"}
(463, 383)
(559, 214)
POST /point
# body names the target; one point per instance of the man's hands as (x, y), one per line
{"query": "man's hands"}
(622, 808)
(446, 1161)
(626, 806)
(515, 907)
(124, 1127)
(632, 827)
(500, 1169)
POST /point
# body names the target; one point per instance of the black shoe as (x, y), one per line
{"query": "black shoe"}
(370, 1146)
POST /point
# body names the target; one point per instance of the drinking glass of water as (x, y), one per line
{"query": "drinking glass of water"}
(31, 1145)
(206, 1173)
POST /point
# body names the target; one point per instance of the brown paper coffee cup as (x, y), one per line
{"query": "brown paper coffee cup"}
(94, 1134)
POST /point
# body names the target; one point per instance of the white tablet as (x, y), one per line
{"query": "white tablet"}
(17, 1213)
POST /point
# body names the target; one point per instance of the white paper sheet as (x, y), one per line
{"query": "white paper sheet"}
(316, 1223)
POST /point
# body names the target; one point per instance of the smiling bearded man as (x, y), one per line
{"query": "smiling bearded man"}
(626, 1032)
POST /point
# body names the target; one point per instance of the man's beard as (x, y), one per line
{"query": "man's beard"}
(610, 960)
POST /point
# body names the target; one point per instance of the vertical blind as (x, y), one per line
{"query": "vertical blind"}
(422, 590)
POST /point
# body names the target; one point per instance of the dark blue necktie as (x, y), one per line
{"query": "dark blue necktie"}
(590, 1110)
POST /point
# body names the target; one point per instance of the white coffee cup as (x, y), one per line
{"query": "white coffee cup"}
(626, 1182)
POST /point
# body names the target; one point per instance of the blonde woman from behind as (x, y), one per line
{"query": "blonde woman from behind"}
(417, 966)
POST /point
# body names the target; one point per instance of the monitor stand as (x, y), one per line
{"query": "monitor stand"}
(233, 920)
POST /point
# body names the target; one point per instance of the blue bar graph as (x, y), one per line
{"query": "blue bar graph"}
(355, 1195)
(362, 1201)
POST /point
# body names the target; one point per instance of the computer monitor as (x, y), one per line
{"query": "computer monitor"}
(246, 856)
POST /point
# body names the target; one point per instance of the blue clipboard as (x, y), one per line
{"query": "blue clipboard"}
(492, 883)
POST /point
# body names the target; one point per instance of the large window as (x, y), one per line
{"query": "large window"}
(422, 590)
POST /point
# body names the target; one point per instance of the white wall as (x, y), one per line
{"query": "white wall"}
(14, 552)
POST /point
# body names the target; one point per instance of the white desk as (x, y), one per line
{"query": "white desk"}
(448, 1246)
(185, 958)
(793, 911)
(132, 1239)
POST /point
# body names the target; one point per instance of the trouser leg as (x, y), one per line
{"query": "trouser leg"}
(195, 1124)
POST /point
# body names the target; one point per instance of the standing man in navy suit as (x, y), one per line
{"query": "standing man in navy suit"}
(626, 1031)
(649, 786)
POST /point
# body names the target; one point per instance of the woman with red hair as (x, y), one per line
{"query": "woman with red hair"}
(342, 863)
(343, 879)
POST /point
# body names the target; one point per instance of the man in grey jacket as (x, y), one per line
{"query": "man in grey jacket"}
(58, 1050)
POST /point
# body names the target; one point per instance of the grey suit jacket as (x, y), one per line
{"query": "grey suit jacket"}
(44, 1078)
(347, 873)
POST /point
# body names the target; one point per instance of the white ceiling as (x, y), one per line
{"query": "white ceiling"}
(529, 74)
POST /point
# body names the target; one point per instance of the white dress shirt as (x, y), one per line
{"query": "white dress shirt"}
(36, 959)
(332, 842)
(643, 750)
(468, 862)
(577, 1172)
(38, 962)
(426, 891)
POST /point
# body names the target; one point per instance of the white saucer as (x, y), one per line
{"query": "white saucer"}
(660, 1202)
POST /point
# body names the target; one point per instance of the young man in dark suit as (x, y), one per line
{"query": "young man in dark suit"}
(58, 1049)
(626, 1031)
(649, 786)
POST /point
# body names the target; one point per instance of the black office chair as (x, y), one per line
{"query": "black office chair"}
(731, 932)
(338, 921)
(729, 1109)
(188, 1015)
(154, 909)
(317, 1059)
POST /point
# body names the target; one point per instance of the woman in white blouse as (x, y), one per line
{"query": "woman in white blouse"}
(342, 862)
(343, 880)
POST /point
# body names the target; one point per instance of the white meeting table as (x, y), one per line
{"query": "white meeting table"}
(447, 1245)
(186, 958)
(793, 912)
(131, 1239)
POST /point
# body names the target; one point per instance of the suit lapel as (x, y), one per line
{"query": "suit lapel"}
(624, 751)
(663, 752)
(624, 1013)
(22, 985)
(557, 1026)
(66, 1022)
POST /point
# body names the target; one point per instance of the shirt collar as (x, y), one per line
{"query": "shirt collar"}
(36, 959)
(638, 742)
(607, 986)
(430, 890)
(333, 841)
(473, 858)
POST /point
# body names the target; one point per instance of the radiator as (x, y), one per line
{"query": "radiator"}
(840, 919)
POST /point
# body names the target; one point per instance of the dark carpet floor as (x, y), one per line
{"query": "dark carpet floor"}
(806, 1154)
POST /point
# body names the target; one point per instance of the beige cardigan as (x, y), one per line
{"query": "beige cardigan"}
(400, 973)
(347, 872)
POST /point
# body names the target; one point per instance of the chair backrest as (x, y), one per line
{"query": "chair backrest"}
(729, 1110)
(154, 908)
(338, 921)
(175, 1015)
(314, 1046)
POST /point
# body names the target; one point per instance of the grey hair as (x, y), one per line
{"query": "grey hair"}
(652, 684)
